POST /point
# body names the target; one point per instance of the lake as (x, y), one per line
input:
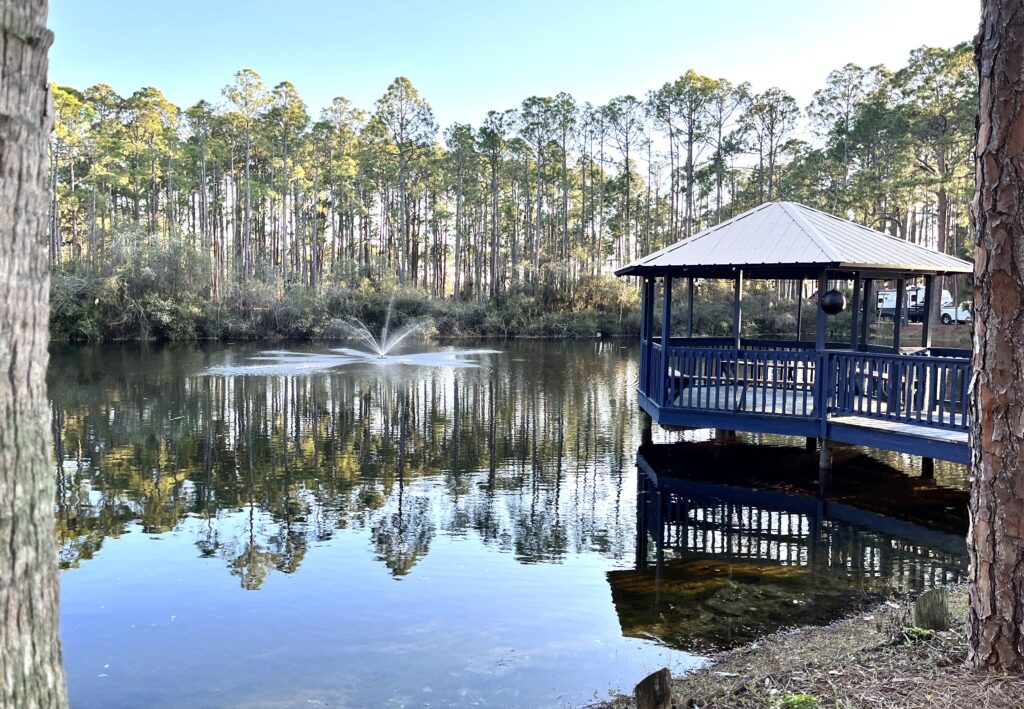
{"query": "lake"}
(301, 529)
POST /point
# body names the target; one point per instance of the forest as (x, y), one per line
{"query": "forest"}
(245, 216)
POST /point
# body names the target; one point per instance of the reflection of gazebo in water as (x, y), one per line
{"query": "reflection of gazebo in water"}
(908, 399)
(718, 565)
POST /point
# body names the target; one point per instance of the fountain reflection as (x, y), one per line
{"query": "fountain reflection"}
(718, 565)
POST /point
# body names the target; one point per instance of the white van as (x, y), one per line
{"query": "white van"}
(961, 313)
(914, 301)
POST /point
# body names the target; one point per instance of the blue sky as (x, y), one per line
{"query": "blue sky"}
(469, 57)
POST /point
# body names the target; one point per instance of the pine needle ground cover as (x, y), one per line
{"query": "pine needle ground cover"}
(876, 659)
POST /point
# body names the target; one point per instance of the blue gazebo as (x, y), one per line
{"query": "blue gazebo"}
(911, 399)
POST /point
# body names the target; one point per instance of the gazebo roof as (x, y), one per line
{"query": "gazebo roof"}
(780, 239)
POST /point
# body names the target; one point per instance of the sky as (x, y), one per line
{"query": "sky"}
(467, 58)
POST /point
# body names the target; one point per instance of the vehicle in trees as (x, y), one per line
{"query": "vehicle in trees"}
(914, 301)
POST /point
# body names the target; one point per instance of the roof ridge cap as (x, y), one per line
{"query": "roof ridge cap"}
(791, 209)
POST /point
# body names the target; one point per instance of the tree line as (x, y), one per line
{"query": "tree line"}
(531, 203)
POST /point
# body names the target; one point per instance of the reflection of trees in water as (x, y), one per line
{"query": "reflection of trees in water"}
(526, 455)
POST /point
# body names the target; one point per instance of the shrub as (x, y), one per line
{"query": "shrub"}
(799, 701)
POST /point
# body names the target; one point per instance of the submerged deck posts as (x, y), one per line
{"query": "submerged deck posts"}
(646, 428)
(825, 467)
(928, 468)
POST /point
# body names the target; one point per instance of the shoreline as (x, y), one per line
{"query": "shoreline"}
(867, 659)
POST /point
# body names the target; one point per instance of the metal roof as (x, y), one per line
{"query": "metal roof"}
(787, 237)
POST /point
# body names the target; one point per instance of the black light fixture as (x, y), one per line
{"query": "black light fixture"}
(833, 302)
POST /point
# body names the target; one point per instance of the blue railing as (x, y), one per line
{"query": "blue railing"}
(779, 378)
(915, 389)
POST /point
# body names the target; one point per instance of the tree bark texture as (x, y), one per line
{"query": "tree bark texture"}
(996, 538)
(31, 674)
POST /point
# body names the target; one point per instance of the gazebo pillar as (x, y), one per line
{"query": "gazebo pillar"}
(666, 329)
(855, 312)
(689, 301)
(819, 331)
(737, 309)
(926, 320)
(799, 306)
(865, 311)
(646, 332)
(897, 320)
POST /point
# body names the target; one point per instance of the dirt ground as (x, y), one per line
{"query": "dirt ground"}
(871, 660)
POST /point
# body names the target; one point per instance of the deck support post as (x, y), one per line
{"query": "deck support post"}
(737, 309)
(646, 428)
(926, 318)
(897, 320)
(824, 481)
(724, 435)
(811, 445)
(928, 468)
(666, 329)
(825, 457)
(866, 308)
(825, 466)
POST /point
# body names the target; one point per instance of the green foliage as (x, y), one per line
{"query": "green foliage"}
(255, 218)
(913, 634)
(799, 701)
(158, 290)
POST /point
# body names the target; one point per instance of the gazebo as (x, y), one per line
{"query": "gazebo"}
(911, 399)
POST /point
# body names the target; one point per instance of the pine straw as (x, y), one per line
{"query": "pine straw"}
(862, 661)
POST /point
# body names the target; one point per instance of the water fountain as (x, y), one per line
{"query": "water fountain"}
(387, 340)
(378, 351)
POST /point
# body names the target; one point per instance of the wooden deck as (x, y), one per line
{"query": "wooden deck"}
(778, 401)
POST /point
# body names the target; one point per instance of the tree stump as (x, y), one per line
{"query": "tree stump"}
(654, 691)
(931, 610)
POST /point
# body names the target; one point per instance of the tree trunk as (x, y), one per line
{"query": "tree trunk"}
(996, 538)
(30, 654)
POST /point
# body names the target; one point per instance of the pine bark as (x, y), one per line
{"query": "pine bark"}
(996, 538)
(31, 673)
